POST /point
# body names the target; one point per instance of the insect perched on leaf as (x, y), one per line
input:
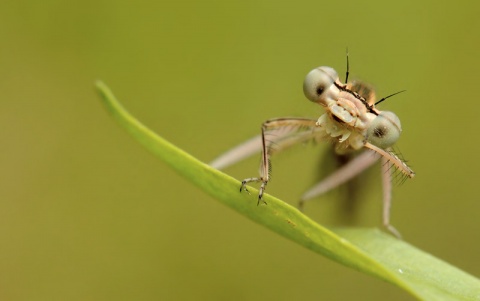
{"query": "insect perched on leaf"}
(352, 124)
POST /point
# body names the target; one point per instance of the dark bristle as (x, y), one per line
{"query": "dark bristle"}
(348, 68)
(381, 100)
(269, 169)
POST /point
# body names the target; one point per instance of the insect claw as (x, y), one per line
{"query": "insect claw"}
(243, 187)
(260, 199)
(393, 231)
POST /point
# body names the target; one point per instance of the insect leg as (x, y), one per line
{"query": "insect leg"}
(264, 168)
(238, 153)
(387, 196)
(274, 127)
(340, 176)
(393, 159)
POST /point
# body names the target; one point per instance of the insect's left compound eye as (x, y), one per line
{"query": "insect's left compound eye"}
(319, 87)
(384, 130)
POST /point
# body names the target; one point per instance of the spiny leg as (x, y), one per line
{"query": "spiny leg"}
(340, 176)
(392, 159)
(292, 126)
(264, 168)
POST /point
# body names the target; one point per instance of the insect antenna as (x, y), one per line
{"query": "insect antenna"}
(381, 100)
(348, 69)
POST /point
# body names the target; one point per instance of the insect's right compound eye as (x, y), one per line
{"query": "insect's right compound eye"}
(319, 87)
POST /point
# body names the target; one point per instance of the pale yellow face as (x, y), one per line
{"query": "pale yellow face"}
(350, 117)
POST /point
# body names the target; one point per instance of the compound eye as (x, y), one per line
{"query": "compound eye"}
(319, 87)
(384, 130)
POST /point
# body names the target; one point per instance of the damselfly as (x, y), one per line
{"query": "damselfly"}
(351, 122)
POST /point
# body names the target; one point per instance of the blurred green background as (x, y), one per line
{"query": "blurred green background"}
(87, 214)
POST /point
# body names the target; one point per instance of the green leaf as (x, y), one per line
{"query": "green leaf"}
(368, 250)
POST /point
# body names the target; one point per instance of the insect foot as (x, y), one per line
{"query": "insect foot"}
(260, 191)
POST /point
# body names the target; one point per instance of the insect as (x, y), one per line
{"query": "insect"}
(351, 123)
